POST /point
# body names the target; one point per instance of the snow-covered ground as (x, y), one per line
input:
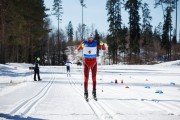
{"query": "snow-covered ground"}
(143, 92)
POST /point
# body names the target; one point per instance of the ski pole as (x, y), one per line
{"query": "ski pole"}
(82, 67)
(101, 68)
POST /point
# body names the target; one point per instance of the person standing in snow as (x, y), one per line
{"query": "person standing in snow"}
(68, 64)
(36, 69)
(90, 47)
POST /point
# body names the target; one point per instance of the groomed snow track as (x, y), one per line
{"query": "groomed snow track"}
(100, 109)
(24, 107)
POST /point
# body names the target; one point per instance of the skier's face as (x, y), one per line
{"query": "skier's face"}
(90, 39)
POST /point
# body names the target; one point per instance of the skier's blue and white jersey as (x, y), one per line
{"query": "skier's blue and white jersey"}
(68, 63)
(90, 50)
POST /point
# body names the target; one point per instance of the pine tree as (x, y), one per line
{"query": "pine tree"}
(70, 33)
(170, 4)
(147, 43)
(111, 47)
(157, 38)
(167, 27)
(23, 27)
(97, 38)
(123, 41)
(174, 40)
(3, 13)
(114, 19)
(133, 6)
(57, 8)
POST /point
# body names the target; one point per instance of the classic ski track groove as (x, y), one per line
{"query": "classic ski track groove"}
(157, 103)
(25, 107)
(79, 92)
(101, 110)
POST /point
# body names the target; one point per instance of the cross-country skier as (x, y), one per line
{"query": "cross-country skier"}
(68, 64)
(36, 69)
(90, 47)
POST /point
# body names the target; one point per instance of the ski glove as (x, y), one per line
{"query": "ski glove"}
(82, 45)
(101, 43)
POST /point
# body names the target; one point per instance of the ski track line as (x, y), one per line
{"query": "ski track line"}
(72, 83)
(161, 105)
(26, 106)
(169, 108)
(110, 111)
(154, 102)
(101, 110)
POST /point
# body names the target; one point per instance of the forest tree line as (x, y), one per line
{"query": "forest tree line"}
(26, 32)
(139, 42)
(23, 27)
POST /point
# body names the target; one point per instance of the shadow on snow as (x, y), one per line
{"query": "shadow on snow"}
(17, 117)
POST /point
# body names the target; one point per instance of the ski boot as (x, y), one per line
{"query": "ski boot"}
(86, 95)
(94, 94)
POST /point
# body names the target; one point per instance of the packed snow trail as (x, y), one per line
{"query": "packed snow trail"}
(101, 110)
(26, 106)
(60, 97)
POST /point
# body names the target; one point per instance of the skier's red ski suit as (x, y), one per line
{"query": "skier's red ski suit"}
(90, 63)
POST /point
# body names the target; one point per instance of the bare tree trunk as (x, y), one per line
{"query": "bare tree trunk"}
(3, 47)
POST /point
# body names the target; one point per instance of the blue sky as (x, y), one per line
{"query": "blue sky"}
(96, 14)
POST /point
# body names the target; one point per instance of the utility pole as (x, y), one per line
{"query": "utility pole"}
(83, 5)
